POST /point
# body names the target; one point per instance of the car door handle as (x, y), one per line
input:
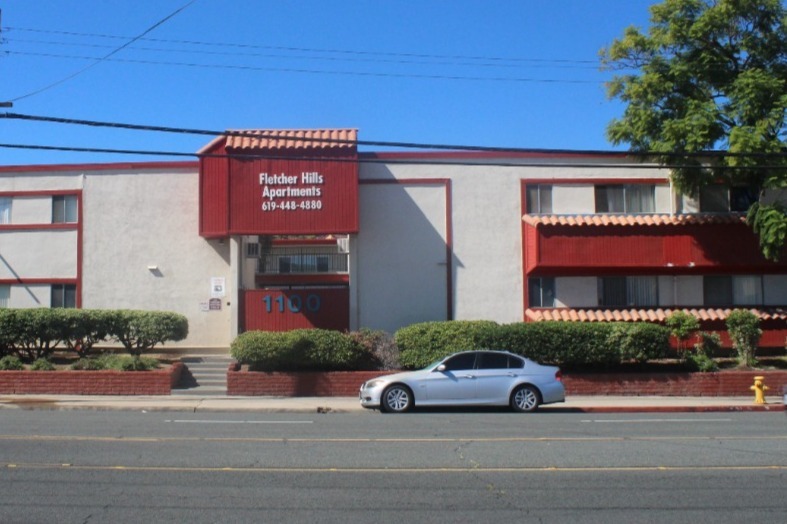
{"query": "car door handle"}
(468, 376)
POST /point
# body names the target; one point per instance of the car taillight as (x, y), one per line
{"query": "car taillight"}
(559, 375)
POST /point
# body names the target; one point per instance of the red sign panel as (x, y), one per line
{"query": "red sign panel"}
(285, 310)
(292, 197)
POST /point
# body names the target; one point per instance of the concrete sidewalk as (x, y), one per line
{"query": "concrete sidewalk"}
(573, 404)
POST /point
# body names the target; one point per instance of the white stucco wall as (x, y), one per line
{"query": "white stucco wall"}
(29, 295)
(31, 210)
(38, 254)
(134, 220)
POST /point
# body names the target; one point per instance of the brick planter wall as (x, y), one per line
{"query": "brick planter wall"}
(347, 383)
(156, 382)
(301, 384)
(724, 383)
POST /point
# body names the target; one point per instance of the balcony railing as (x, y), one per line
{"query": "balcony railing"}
(302, 263)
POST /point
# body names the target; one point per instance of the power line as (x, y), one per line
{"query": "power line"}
(310, 71)
(387, 144)
(362, 159)
(404, 59)
(107, 56)
(318, 50)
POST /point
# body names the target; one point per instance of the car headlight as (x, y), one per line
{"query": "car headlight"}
(373, 384)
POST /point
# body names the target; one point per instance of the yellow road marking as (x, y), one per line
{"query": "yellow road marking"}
(78, 438)
(543, 469)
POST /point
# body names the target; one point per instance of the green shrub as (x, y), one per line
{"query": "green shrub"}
(301, 349)
(84, 328)
(640, 341)
(265, 351)
(88, 364)
(380, 347)
(11, 363)
(744, 329)
(115, 362)
(42, 364)
(423, 343)
(701, 362)
(35, 332)
(140, 331)
(682, 326)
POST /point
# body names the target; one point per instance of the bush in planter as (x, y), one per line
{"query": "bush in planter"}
(744, 329)
(567, 344)
(640, 341)
(682, 326)
(301, 349)
(83, 328)
(116, 363)
(11, 363)
(33, 333)
(42, 364)
(141, 331)
(381, 349)
(423, 343)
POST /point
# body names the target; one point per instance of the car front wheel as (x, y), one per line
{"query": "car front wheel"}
(396, 399)
(525, 399)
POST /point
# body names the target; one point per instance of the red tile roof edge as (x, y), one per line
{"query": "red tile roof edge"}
(634, 220)
(642, 315)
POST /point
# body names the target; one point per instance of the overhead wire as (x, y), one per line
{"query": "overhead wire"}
(107, 56)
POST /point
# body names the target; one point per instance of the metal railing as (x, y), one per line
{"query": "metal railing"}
(302, 262)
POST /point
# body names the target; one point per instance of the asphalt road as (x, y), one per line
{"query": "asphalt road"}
(92, 466)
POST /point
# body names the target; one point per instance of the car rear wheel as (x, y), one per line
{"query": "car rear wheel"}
(525, 399)
(396, 399)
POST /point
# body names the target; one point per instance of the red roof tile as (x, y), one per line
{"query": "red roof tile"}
(289, 139)
(642, 315)
(634, 220)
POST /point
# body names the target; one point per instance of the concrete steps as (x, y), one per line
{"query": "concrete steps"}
(204, 375)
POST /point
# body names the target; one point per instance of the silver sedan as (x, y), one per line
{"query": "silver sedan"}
(469, 378)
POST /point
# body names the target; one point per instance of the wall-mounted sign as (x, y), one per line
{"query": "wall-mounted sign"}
(218, 287)
(214, 304)
(280, 183)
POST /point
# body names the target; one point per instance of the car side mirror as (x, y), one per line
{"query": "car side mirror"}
(440, 368)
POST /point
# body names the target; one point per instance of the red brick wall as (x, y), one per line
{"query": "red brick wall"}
(725, 383)
(303, 384)
(315, 384)
(157, 382)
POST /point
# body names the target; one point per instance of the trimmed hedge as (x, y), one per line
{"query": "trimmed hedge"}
(300, 350)
(568, 344)
(35, 333)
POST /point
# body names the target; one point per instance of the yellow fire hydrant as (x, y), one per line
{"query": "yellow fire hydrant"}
(759, 390)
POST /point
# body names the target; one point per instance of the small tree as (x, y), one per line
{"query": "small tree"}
(745, 332)
(682, 326)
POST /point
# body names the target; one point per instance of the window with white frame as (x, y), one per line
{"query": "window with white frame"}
(539, 199)
(541, 291)
(628, 291)
(629, 199)
(64, 209)
(5, 295)
(737, 290)
(5, 210)
(64, 295)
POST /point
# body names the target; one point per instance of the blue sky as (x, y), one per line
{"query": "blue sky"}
(519, 73)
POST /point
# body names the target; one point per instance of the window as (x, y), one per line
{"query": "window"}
(5, 295)
(64, 209)
(499, 361)
(541, 292)
(717, 198)
(739, 290)
(630, 199)
(64, 295)
(539, 199)
(628, 291)
(5, 210)
(460, 362)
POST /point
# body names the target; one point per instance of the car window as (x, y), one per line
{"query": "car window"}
(493, 361)
(460, 362)
(515, 362)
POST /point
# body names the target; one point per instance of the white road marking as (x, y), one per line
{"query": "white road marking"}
(638, 421)
(240, 421)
